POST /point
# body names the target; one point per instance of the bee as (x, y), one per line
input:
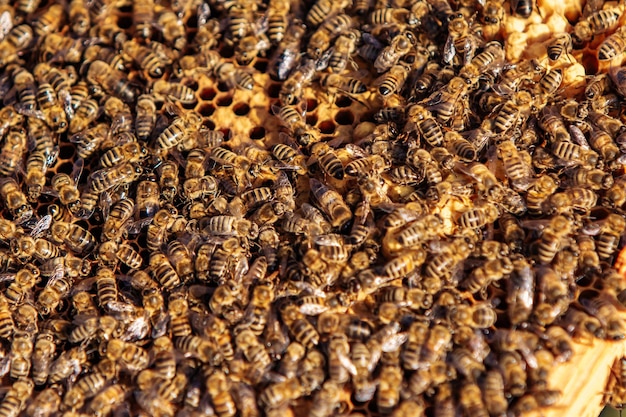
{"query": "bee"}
(106, 400)
(423, 121)
(113, 81)
(460, 38)
(21, 352)
(560, 343)
(388, 16)
(65, 187)
(603, 143)
(516, 165)
(326, 400)
(21, 287)
(388, 393)
(233, 76)
(218, 386)
(323, 8)
(442, 265)
(163, 271)
(491, 271)
(550, 82)
(175, 91)
(181, 259)
(393, 80)
(523, 8)
(16, 398)
(300, 328)
(478, 216)
(400, 46)
(291, 90)
(88, 141)
(145, 59)
(277, 21)
(514, 111)
(12, 151)
(331, 203)
(597, 86)
(615, 196)
(69, 363)
(128, 355)
(121, 212)
(15, 43)
(287, 53)
(493, 13)
(493, 393)
(179, 129)
(326, 32)
(343, 49)
(107, 178)
(15, 200)
(596, 23)
(168, 180)
(249, 47)
(87, 112)
(470, 399)
(560, 45)
(145, 118)
(89, 385)
(294, 121)
(573, 154)
(609, 237)
(77, 238)
(110, 252)
(327, 160)
(25, 247)
(280, 393)
(173, 30)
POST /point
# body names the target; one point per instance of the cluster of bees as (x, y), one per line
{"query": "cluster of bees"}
(437, 253)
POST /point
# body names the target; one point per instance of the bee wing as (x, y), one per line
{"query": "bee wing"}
(204, 12)
(579, 137)
(135, 227)
(41, 226)
(6, 24)
(7, 276)
(448, 51)
(393, 342)
(77, 170)
(66, 101)
(22, 109)
(346, 362)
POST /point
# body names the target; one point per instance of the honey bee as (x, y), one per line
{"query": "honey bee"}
(179, 129)
(77, 238)
(280, 393)
(233, 76)
(69, 363)
(596, 23)
(300, 328)
(326, 32)
(603, 143)
(400, 46)
(121, 212)
(559, 46)
(327, 160)
(388, 393)
(344, 48)
(331, 203)
(21, 287)
(65, 187)
(12, 151)
(163, 271)
(144, 57)
(520, 290)
(424, 122)
(175, 91)
(573, 154)
(106, 400)
(609, 236)
(173, 30)
(559, 342)
(218, 386)
(478, 216)
(86, 112)
(15, 200)
(113, 81)
(287, 53)
(128, 355)
(393, 80)
(107, 178)
(16, 398)
(516, 165)
(323, 8)
(514, 111)
(17, 40)
(470, 399)
(492, 271)
(460, 38)
(291, 90)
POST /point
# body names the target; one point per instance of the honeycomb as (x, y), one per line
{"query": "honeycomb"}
(427, 231)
